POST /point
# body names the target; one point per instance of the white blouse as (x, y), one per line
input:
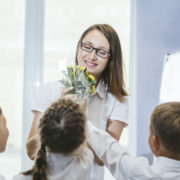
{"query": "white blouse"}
(102, 105)
(123, 166)
(61, 167)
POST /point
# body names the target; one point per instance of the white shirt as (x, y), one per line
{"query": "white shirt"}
(125, 167)
(101, 106)
(103, 102)
(71, 167)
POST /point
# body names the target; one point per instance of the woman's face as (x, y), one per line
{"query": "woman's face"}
(95, 64)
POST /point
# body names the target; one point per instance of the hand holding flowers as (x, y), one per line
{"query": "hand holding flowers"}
(82, 82)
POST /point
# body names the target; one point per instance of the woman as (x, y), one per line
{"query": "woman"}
(98, 50)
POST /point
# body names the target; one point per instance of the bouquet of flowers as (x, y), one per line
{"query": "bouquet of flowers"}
(80, 79)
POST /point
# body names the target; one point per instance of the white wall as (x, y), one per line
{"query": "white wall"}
(155, 30)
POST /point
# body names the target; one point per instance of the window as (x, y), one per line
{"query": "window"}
(170, 87)
(11, 79)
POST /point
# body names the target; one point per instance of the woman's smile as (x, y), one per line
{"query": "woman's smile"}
(95, 64)
(90, 64)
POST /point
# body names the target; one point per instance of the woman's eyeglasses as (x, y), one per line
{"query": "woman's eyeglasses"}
(99, 52)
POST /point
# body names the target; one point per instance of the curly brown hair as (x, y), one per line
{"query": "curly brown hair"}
(62, 130)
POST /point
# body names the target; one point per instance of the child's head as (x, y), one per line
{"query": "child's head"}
(62, 130)
(165, 130)
(4, 132)
(62, 127)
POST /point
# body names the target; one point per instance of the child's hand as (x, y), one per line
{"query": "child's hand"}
(83, 104)
(64, 94)
(4, 132)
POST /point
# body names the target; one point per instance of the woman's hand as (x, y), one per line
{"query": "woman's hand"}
(32, 144)
(73, 97)
(64, 94)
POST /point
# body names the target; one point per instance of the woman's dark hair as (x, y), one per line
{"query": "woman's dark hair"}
(113, 73)
(62, 130)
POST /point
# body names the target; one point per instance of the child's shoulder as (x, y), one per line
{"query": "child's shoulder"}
(88, 152)
(84, 153)
(2, 177)
(22, 177)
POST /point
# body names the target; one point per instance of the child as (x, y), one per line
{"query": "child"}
(164, 140)
(62, 155)
(4, 132)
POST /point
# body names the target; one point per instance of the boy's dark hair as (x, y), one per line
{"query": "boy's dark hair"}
(165, 124)
(62, 130)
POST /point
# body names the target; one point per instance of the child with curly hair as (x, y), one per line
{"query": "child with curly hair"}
(63, 153)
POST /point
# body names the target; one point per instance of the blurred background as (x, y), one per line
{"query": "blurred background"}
(38, 39)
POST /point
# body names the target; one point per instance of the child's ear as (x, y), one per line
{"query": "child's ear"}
(85, 135)
(156, 143)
